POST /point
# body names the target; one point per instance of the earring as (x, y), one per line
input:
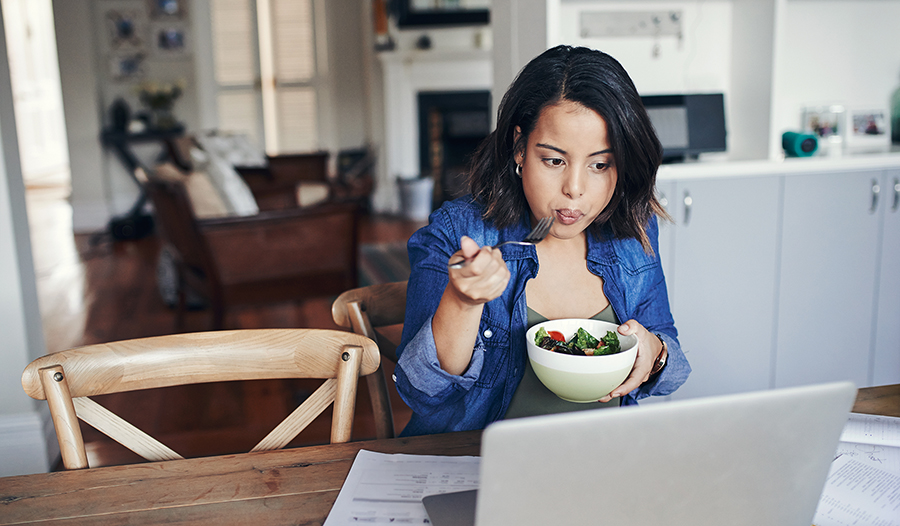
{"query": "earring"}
(519, 170)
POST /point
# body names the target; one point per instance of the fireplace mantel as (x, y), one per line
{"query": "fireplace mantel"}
(405, 74)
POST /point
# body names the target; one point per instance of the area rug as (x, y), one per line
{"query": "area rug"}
(383, 263)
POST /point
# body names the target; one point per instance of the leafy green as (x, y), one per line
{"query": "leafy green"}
(539, 337)
(584, 340)
(611, 340)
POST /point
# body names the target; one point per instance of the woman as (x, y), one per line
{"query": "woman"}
(573, 142)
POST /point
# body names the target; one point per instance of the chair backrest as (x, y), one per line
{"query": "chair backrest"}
(177, 225)
(363, 310)
(66, 379)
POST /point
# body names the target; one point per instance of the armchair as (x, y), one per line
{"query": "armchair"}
(267, 257)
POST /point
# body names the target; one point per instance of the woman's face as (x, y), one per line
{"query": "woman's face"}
(567, 170)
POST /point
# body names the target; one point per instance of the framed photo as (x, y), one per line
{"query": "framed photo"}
(827, 123)
(170, 39)
(868, 128)
(125, 24)
(167, 8)
(126, 66)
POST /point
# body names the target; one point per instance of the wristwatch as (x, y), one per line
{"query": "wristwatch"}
(661, 359)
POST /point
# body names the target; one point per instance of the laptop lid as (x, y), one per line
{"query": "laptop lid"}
(745, 459)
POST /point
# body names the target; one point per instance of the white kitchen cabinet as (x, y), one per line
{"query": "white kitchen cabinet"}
(826, 293)
(886, 355)
(722, 279)
(665, 191)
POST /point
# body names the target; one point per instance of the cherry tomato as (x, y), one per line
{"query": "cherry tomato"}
(556, 335)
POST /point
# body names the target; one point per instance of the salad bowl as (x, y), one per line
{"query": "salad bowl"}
(580, 378)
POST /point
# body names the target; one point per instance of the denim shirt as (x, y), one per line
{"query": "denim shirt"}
(442, 402)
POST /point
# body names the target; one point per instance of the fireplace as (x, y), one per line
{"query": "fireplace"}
(451, 126)
(406, 74)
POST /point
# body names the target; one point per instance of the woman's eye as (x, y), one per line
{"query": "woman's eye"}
(553, 161)
(599, 166)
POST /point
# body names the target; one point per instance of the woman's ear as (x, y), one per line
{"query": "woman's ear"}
(518, 152)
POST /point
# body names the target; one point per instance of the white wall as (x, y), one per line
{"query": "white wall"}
(769, 57)
(700, 61)
(22, 448)
(835, 52)
(74, 47)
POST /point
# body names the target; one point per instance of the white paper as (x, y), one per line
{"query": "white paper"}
(388, 489)
(872, 429)
(873, 438)
(858, 492)
(863, 485)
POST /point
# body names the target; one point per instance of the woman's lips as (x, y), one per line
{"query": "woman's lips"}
(567, 216)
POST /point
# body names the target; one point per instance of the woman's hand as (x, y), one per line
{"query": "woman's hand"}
(455, 323)
(649, 349)
(483, 278)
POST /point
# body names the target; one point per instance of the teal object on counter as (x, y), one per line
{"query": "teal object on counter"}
(799, 144)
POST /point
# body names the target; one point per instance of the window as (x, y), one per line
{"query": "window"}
(266, 71)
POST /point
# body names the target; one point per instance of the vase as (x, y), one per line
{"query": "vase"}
(162, 119)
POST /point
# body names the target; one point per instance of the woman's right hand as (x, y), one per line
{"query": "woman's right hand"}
(483, 278)
(455, 323)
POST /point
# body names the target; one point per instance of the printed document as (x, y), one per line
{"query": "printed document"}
(388, 489)
(863, 485)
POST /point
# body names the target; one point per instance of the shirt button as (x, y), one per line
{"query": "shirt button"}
(488, 333)
(394, 378)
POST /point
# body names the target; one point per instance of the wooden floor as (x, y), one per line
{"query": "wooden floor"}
(93, 290)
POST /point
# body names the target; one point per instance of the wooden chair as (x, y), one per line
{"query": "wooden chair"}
(66, 379)
(362, 310)
(269, 257)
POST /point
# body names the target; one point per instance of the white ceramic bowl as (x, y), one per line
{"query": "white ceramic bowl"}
(581, 378)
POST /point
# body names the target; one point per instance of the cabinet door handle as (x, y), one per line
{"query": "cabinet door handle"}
(896, 204)
(688, 202)
(876, 190)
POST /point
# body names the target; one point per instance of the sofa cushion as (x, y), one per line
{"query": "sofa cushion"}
(234, 191)
(214, 154)
(235, 148)
(205, 199)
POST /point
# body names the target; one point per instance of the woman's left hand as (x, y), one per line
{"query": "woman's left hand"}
(649, 349)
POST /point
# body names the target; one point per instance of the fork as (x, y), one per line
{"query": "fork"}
(537, 234)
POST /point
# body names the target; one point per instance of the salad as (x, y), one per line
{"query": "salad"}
(581, 344)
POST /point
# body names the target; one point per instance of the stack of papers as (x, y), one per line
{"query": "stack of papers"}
(863, 485)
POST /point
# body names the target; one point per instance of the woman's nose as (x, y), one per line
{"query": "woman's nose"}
(574, 182)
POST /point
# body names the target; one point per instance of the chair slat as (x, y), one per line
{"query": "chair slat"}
(121, 431)
(345, 397)
(62, 408)
(301, 417)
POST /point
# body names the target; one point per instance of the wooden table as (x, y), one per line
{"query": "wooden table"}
(294, 486)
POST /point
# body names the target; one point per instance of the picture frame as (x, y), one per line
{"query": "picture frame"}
(170, 40)
(827, 123)
(125, 24)
(167, 9)
(868, 128)
(126, 66)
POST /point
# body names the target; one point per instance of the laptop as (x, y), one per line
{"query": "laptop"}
(744, 459)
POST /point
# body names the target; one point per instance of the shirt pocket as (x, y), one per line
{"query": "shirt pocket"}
(494, 337)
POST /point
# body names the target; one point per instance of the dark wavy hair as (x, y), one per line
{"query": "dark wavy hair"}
(596, 81)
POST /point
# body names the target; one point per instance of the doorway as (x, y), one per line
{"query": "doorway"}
(37, 97)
